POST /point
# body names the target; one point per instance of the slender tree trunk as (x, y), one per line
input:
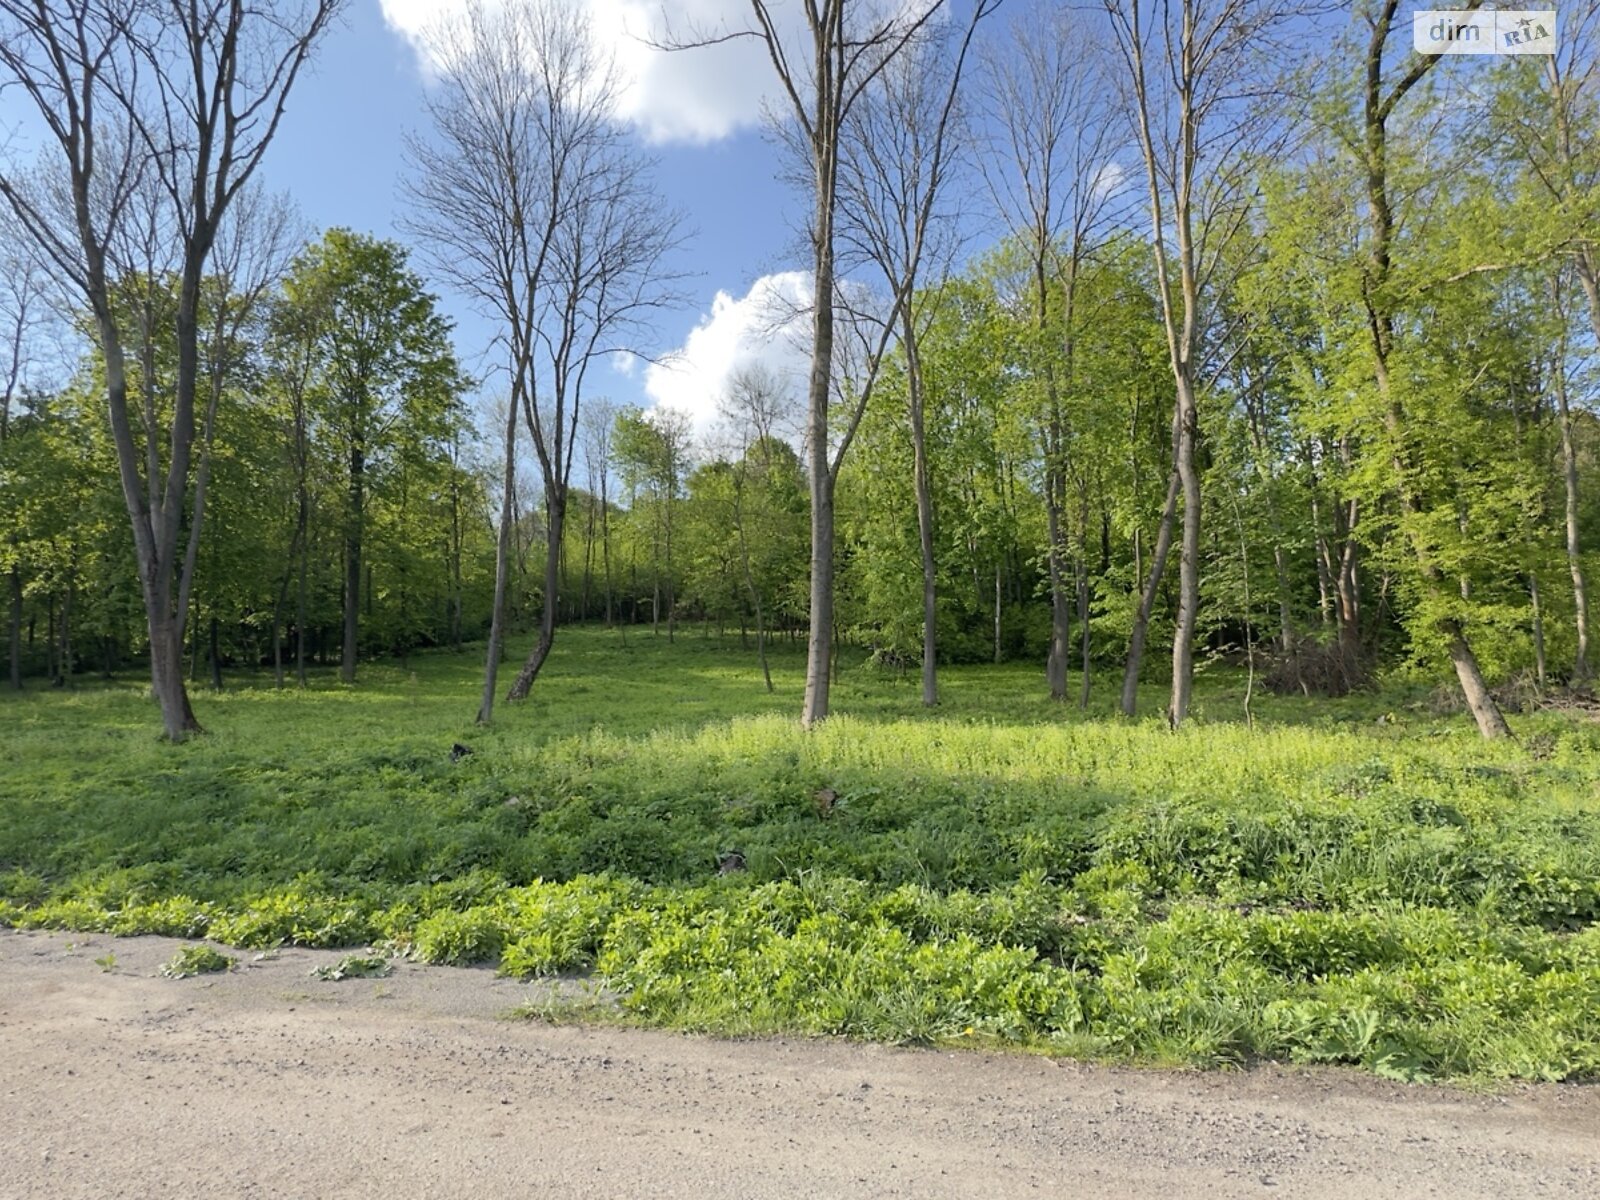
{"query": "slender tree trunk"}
(300, 603)
(16, 626)
(924, 490)
(672, 596)
(215, 654)
(588, 558)
(997, 608)
(819, 643)
(1323, 556)
(605, 548)
(66, 630)
(1538, 630)
(1060, 619)
(552, 579)
(1086, 645)
(755, 602)
(1188, 560)
(1581, 669)
(352, 562)
(502, 571)
(1147, 600)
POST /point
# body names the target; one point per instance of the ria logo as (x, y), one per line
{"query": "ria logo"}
(1484, 31)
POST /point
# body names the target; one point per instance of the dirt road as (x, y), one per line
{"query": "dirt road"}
(267, 1082)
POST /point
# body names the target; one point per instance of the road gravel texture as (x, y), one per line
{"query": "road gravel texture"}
(267, 1082)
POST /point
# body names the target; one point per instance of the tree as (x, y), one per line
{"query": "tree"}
(1549, 124)
(1201, 104)
(1381, 94)
(22, 315)
(823, 70)
(899, 150)
(177, 102)
(540, 208)
(386, 369)
(1054, 178)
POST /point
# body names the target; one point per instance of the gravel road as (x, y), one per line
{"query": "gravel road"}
(266, 1082)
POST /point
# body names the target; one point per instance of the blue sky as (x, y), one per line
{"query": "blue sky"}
(340, 154)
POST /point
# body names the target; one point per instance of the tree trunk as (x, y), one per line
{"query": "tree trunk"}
(1381, 327)
(605, 549)
(1538, 630)
(166, 678)
(547, 622)
(1083, 595)
(215, 655)
(1060, 620)
(352, 563)
(819, 642)
(1491, 723)
(66, 631)
(1581, 669)
(997, 608)
(672, 591)
(919, 454)
(16, 626)
(502, 572)
(1188, 560)
(1147, 600)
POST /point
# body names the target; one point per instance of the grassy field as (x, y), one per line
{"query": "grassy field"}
(1351, 881)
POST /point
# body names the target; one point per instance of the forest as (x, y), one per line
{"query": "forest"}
(1196, 460)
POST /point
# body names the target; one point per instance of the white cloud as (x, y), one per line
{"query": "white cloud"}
(770, 325)
(699, 95)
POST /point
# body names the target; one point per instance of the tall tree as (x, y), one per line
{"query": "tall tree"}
(388, 373)
(899, 152)
(824, 63)
(1054, 178)
(540, 208)
(1382, 91)
(181, 100)
(1200, 99)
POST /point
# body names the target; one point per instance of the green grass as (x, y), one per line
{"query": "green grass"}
(1321, 887)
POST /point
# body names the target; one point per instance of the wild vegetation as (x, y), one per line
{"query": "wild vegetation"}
(1227, 357)
(1342, 882)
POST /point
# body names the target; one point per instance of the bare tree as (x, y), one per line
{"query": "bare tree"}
(823, 66)
(183, 98)
(898, 152)
(539, 208)
(22, 311)
(1201, 83)
(1052, 171)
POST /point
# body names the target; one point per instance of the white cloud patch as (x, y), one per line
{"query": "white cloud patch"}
(769, 326)
(697, 96)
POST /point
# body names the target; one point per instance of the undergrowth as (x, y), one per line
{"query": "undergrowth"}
(1321, 888)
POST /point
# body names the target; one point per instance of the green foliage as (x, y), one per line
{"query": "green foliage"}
(197, 960)
(355, 966)
(1322, 888)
